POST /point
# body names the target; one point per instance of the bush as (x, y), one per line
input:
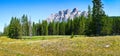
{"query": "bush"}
(72, 36)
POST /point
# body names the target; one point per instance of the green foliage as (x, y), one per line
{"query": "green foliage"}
(116, 26)
(97, 15)
(82, 24)
(89, 12)
(25, 25)
(69, 27)
(44, 28)
(88, 30)
(34, 29)
(79, 25)
(5, 33)
(76, 25)
(106, 26)
(1, 34)
(52, 28)
(62, 28)
(57, 28)
(14, 28)
(37, 29)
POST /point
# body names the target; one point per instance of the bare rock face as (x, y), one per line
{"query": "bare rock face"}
(65, 15)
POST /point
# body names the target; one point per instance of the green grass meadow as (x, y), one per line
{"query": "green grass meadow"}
(60, 46)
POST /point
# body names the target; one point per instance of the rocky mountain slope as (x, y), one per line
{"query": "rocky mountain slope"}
(65, 15)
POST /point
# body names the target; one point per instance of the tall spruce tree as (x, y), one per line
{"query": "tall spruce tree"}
(97, 15)
(88, 21)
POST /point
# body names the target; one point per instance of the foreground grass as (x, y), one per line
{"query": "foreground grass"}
(60, 46)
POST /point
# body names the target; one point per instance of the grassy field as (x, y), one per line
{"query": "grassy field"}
(60, 46)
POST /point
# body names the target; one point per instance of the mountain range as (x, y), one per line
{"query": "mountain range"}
(64, 15)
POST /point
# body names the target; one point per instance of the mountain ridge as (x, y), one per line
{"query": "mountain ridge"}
(64, 15)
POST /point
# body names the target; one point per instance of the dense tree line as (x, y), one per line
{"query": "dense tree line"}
(78, 26)
(95, 24)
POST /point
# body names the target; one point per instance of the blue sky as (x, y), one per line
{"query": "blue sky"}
(41, 9)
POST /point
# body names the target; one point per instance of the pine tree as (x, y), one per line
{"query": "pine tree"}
(50, 28)
(57, 28)
(97, 15)
(89, 12)
(25, 25)
(34, 29)
(88, 22)
(82, 26)
(44, 28)
(76, 26)
(54, 27)
(72, 27)
(62, 28)
(14, 28)
(68, 27)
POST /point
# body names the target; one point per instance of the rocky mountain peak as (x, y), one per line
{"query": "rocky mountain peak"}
(64, 15)
(75, 10)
